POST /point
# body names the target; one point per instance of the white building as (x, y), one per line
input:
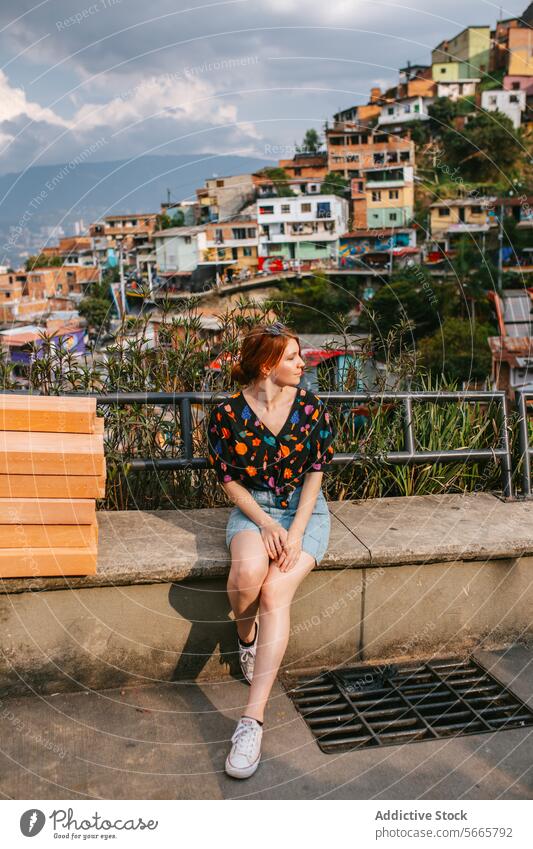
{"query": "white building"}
(302, 229)
(404, 110)
(179, 248)
(455, 89)
(511, 103)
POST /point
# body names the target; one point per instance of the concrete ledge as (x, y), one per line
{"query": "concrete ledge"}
(402, 577)
(140, 547)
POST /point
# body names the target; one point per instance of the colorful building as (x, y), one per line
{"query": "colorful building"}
(305, 231)
(512, 103)
(466, 56)
(234, 242)
(223, 197)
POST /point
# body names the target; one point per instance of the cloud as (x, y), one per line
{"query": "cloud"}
(191, 100)
(14, 103)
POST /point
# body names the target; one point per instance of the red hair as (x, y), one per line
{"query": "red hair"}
(261, 349)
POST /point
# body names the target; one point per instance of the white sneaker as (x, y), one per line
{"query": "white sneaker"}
(245, 753)
(247, 656)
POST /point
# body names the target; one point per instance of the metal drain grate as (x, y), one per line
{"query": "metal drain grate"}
(368, 706)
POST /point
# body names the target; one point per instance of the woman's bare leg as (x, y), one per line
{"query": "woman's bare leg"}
(274, 615)
(249, 568)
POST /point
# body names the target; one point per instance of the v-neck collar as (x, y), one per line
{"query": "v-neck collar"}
(262, 423)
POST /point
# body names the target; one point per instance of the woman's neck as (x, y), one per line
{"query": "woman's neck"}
(269, 394)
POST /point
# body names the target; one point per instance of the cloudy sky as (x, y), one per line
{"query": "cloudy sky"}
(186, 76)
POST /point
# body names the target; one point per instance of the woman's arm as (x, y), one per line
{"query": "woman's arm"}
(274, 535)
(306, 505)
(242, 498)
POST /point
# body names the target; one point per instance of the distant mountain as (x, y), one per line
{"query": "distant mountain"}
(45, 197)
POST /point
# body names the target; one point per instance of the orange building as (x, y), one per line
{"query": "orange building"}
(62, 280)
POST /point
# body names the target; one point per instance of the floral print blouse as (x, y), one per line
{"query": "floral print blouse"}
(242, 448)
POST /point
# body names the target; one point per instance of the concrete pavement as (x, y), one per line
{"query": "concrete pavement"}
(169, 741)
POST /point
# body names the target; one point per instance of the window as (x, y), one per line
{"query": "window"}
(477, 210)
(393, 216)
(407, 107)
(513, 98)
(493, 100)
(239, 232)
(266, 210)
(390, 110)
(221, 253)
(516, 86)
(247, 252)
(416, 107)
(313, 188)
(235, 253)
(443, 70)
(220, 184)
(394, 194)
(219, 237)
(187, 240)
(404, 156)
(297, 172)
(250, 233)
(306, 207)
(285, 208)
(376, 196)
(444, 211)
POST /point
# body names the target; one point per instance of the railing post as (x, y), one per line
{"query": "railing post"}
(186, 427)
(408, 426)
(506, 469)
(523, 437)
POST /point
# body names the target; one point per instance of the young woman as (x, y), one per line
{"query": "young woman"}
(269, 444)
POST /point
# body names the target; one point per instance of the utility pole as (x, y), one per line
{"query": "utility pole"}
(122, 280)
(500, 251)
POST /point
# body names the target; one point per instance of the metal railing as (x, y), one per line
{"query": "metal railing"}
(526, 450)
(408, 456)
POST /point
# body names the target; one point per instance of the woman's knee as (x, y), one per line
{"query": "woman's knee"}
(249, 564)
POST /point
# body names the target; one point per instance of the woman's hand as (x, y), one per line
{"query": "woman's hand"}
(291, 551)
(274, 536)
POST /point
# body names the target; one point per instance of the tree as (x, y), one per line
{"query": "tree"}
(280, 181)
(458, 350)
(474, 274)
(97, 312)
(415, 300)
(43, 261)
(441, 114)
(334, 184)
(312, 142)
(316, 305)
(165, 221)
(488, 148)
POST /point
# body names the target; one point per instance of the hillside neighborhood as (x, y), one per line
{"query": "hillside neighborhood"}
(423, 172)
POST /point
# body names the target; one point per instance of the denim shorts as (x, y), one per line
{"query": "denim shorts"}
(316, 536)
